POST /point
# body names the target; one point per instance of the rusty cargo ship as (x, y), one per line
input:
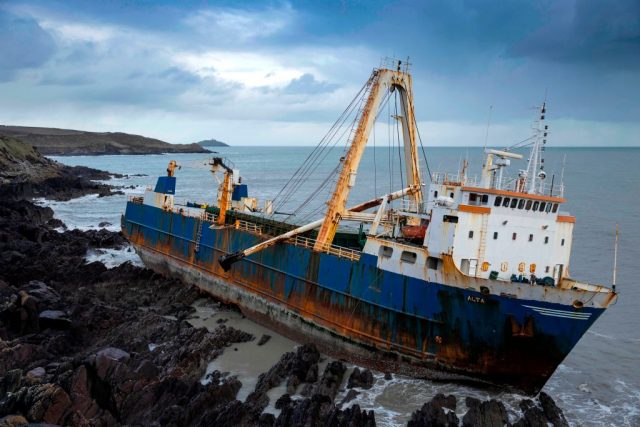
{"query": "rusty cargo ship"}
(464, 279)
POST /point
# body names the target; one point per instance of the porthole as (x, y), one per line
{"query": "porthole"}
(385, 251)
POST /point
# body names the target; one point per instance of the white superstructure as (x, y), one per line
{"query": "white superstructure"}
(494, 227)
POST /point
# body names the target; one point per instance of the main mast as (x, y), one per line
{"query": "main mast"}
(379, 83)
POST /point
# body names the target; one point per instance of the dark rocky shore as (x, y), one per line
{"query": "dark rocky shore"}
(81, 344)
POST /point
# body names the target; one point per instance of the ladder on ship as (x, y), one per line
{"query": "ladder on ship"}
(198, 235)
(483, 241)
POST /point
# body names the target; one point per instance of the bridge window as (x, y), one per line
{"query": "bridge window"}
(549, 206)
(562, 242)
(535, 205)
(514, 236)
(409, 257)
(497, 201)
(521, 204)
(495, 235)
(531, 237)
(485, 199)
(435, 194)
(450, 218)
(514, 202)
(432, 263)
(385, 252)
(505, 202)
(546, 240)
(471, 234)
(528, 205)
(555, 208)
(473, 199)
(542, 206)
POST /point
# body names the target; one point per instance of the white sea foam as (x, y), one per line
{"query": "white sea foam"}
(114, 257)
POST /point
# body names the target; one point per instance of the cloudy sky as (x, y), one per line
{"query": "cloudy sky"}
(276, 73)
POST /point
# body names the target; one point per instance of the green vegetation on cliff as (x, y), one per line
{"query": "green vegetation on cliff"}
(67, 142)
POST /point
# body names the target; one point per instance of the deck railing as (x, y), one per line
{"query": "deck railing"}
(339, 251)
(248, 226)
(507, 183)
(251, 227)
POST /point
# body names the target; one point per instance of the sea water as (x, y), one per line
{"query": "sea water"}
(598, 383)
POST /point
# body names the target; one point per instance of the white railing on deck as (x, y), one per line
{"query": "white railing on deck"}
(507, 183)
(254, 228)
(408, 205)
(248, 226)
(306, 242)
(454, 179)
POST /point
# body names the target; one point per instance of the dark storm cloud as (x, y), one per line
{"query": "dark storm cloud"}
(23, 44)
(601, 34)
(302, 61)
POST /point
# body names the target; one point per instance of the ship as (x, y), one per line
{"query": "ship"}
(461, 279)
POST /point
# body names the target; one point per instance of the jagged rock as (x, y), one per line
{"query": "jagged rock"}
(541, 413)
(264, 339)
(13, 421)
(331, 380)
(45, 295)
(319, 410)
(114, 354)
(36, 375)
(10, 382)
(282, 401)
(490, 413)
(54, 319)
(351, 394)
(551, 410)
(388, 376)
(439, 412)
(47, 403)
(266, 420)
(104, 224)
(28, 313)
(296, 367)
(147, 369)
(362, 379)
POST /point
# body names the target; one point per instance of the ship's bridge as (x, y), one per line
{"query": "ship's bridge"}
(499, 233)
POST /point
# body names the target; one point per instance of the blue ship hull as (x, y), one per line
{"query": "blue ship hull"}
(354, 310)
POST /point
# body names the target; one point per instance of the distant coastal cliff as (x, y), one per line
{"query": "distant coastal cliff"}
(67, 142)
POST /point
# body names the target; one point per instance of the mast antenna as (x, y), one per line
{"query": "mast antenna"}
(486, 135)
(615, 259)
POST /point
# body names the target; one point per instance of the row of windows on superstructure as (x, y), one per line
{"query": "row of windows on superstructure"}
(513, 203)
(514, 236)
(528, 205)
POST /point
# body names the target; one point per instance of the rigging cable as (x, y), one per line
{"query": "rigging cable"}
(424, 155)
(293, 183)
